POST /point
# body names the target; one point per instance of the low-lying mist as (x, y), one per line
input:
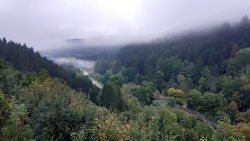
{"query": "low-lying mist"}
(78, 63)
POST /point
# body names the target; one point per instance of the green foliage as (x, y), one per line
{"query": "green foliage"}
(185, 120)
(128, 90)
(55, 120)
(144, 94)
(83, 83)
(50, 110)
(171, 102)
(193, 99)
(134, 106)
(244, 128)
(230, 85)
(111, 97)
(129, 73)
(205, 72)
(177, 94)
(4, 109)
(244, 117)
(245, 89)
(159, 80)
(183, 85)
(24, 59)
(225, 132)
(151, 123)
(239, 63)
(101, 66)
(115, 66)
(232, 110)
(190, 135)
(110, 128)
(204, 131)
(209, 49)
(29, 77)
(55, 109)
(14, 128)
(43, 74)
(214, 65)
(94, 93)
(210, 104)
(116, 79)
(10, 82)
(138, 79)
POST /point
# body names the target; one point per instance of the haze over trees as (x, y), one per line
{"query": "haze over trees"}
(206, 72)
(26, 60)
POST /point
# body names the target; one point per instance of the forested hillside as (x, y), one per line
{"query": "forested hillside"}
(24, 59)
(46, 109)
(207, 72)
(213, 48)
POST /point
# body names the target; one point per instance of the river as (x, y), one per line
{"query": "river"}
(86, 66)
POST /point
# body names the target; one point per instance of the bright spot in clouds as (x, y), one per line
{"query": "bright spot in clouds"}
(127, 9)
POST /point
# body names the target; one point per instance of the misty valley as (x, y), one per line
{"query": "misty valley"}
(86, 66)
(187, 86)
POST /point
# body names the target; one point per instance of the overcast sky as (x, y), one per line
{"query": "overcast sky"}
(43, 23)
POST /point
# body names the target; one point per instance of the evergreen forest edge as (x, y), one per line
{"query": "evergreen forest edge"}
(206, 72)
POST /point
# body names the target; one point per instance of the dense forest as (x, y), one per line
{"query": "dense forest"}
(47, 109)
(206, 72)
(25, 60)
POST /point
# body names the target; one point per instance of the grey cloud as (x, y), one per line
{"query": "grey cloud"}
(44, 23)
